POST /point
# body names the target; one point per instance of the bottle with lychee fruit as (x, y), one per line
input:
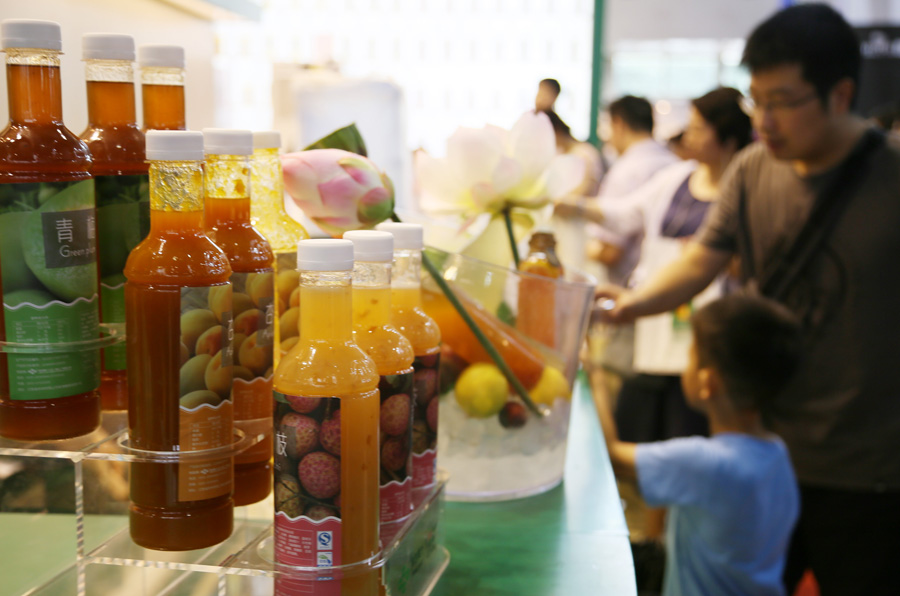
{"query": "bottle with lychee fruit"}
(178, 327)
(268, 215)
(393, 355)
(227, 209)
(421, 330)
(326, 435)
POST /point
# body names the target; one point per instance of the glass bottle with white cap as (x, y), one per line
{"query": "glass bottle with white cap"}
(227, 210)
(393, 355)
(121, 185)
(48, 249)
(425, 336)
(178, 315)
(326, 425)
(269, 216)
(162, 86)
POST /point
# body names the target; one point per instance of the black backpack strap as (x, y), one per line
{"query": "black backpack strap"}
(825, 214)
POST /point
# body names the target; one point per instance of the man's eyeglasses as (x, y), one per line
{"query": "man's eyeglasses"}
(777, 106)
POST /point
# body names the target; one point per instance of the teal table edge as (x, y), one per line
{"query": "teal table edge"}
(571, 540)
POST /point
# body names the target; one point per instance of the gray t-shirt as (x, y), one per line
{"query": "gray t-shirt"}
(840, 416)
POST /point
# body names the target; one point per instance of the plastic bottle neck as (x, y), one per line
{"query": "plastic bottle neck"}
(110, 93)
(371, 294)
(406, 278)
(267, 169)
(176, 187)
(227, 190)
(33, 84)
(327, 300)
(162, 92)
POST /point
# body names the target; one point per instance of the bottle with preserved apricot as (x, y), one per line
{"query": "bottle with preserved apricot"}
(227, 208)
(425, 336)
(121, 186)
(178, 312)
(48, 248)
(162, 86)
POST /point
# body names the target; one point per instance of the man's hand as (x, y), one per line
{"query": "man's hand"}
(569, 207)
(612, 305)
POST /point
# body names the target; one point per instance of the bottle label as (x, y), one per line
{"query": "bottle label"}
(425, 418)
(396, 426)
(48, 252)
(308, 481)
(123, 221)
(206, 413)
(287, 303)
(254, 339)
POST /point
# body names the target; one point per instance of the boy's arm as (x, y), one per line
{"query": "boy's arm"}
(622, 455)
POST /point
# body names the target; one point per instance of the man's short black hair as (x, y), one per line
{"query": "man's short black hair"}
(753, 343)
(635, 112)
(721, 108)
(552, 83)
(815, 36)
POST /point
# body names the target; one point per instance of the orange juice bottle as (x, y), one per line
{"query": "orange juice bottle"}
(393, 355)
(537, 296)
(253, 309)
(48, 248)
(268, 215)
(162, 86)
(121, 185)
(178, 325)
(421, 330)
(326, 425)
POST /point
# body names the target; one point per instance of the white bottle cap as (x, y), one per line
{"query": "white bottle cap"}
(266, 139)
(227, 141)
(107, 46)
(165, 56)
(407, 236)
(30, 33)
(371, 246)
(174, 145)
(325, 255)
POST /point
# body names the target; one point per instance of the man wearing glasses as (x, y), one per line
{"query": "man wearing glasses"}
(813, 211)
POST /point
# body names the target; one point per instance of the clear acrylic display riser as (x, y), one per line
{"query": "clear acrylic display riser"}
(64, 531)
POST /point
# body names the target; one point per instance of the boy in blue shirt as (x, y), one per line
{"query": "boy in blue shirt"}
(732, 498)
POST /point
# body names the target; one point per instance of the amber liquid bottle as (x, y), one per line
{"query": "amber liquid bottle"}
(537, 296)
(121, 185)
(178, 319)
(162, 86)
(48, 260)
(228, 224)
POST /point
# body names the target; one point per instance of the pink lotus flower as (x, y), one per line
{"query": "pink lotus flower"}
(338, 190)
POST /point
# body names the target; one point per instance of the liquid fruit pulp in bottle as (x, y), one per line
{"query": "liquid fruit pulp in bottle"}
(269, 216)
(48, 250)
(178, 317)
(393, 355)
(228, 224)
(121, 186)
(423, 333)
(326, 424)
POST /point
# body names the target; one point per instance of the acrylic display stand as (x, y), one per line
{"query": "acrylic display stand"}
(69, 500)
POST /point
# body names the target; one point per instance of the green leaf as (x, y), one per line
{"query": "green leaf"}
(347, 138)
(505, 313)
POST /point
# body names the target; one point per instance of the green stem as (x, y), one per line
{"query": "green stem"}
(509, 232)
(395, 217)
(479, 334)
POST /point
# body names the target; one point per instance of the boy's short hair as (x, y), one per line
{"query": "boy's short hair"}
(635, 112)
(815, 36)
(753, 343)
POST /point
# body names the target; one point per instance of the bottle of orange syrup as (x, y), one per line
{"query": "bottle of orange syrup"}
(120, 183)
(327, 412)
(268, 215)
(373, 253)
(425, 336)
(178, 335)
(537, 292)
(162, 86)
(48, 248)
(227, 209)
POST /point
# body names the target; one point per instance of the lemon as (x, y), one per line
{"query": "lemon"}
(551, 385)
(481, 390)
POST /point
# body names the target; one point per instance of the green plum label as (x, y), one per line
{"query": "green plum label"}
(48, 251)
(123, 221)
